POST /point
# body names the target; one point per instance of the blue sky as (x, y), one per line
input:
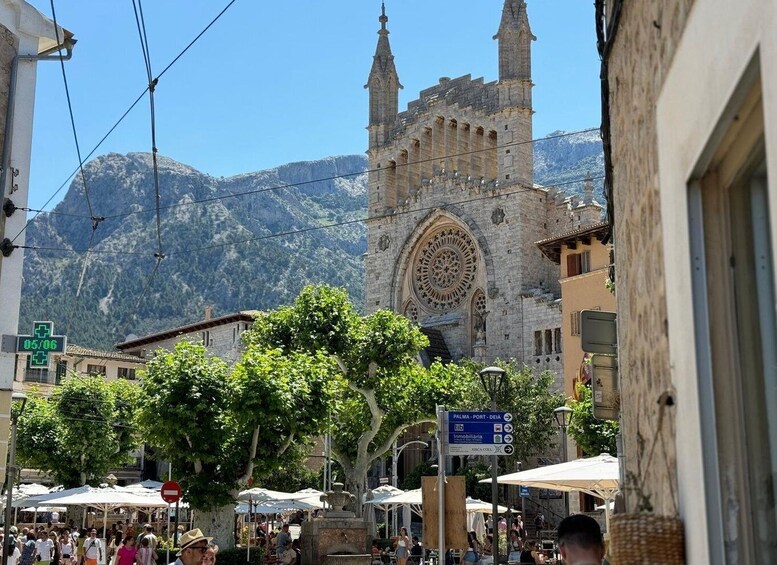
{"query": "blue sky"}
(275, 82)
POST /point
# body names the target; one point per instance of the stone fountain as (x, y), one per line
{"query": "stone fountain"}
(337, 538)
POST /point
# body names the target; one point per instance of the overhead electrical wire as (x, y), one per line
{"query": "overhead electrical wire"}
(314, 228)
(95, 220)
(140, 20)
(137, 6)
(72, 117)
(125, 114)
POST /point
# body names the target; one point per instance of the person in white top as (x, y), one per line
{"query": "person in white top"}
(93, 549)
(45, 549)
(65, 550)
(13, 552)
(148, 533)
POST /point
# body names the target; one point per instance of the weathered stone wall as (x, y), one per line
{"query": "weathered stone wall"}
(645, 43)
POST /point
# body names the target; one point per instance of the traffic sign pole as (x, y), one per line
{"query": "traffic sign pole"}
(441, 452)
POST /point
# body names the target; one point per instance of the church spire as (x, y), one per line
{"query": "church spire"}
(383, 82)
(515, 39)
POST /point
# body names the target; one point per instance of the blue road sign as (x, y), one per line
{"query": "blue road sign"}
(483, 417)
(524, 492)
(480, 433)
(480, 427)
(454, 438)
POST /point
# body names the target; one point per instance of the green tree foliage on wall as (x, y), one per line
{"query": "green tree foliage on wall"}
(591, 435)
(86, 428)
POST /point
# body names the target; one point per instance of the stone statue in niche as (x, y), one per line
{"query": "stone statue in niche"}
(480, 325)
(384, 242)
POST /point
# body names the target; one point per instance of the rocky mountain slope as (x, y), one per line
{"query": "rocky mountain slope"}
(252, 250)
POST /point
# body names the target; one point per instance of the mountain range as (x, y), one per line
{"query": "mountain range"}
(250, 241)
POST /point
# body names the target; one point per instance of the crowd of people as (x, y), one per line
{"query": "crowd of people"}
(279, 543)
(580, 542)
(67, 545)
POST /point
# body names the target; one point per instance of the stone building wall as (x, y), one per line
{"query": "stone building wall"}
(223, 341)
(543, 347)
(646, 39)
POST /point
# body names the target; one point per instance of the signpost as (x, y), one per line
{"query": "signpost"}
(480, 433)
(171, 492)
(40, 344)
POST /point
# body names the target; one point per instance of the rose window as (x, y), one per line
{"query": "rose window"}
(445, 268)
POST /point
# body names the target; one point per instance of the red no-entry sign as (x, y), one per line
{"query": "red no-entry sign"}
(171, 492)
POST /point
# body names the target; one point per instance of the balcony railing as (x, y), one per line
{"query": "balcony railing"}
(43, 376)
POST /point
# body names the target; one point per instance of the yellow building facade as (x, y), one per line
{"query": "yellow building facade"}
(584, 268)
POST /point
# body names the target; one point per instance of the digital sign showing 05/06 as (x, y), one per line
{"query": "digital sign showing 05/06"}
(41, 343)
(34, 344)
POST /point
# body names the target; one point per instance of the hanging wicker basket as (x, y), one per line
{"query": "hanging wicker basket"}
(643, 538)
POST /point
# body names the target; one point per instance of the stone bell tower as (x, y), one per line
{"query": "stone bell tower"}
(384, 86)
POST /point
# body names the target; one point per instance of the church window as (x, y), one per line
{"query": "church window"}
(411, 312)
(557, 340)
(445, 269)
(538, 343)
(548, 342)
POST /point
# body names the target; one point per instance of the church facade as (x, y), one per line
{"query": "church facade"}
(454, 212)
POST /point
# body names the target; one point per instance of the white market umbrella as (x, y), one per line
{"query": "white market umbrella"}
(381, 493)
(409, 500)
(265, 495)
(474, 505)
(107, 498)
(378, 495)
(407, 497)
(311, 497)
(147, 484)
(44, 509)
(40, 499)
(273, 507)
(598, 476)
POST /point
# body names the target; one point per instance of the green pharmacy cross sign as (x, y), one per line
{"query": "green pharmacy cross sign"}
(40, 344)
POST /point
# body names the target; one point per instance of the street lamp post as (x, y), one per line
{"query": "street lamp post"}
(10, 472)
(563, 416)
(493, 380)
(395, 452)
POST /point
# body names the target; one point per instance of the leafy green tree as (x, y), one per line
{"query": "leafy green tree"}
(529, 397)
(82, 431)
(221, 428)
(381, 390)
(591, 435)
